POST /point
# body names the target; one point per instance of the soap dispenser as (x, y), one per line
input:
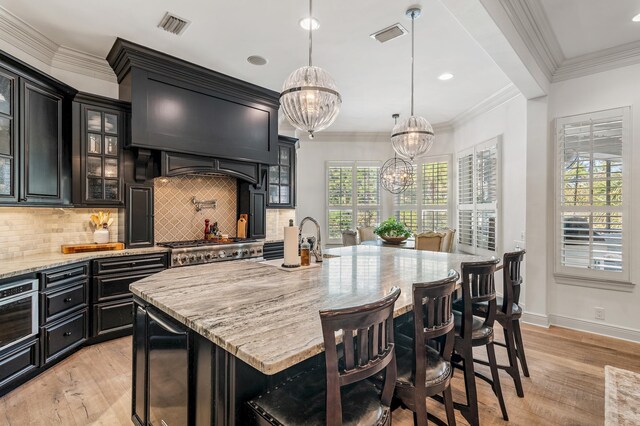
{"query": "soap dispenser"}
(305, 249)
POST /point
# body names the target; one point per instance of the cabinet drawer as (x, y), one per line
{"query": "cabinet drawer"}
(110, 287)
(60, 303)
(112, 317)
(129, 263)
(61, 276)
(18, 362)
(64, 335)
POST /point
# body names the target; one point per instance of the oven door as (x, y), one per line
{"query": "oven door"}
(18, 314)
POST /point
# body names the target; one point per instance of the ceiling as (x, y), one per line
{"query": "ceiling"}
(587, 26)
(373, 78)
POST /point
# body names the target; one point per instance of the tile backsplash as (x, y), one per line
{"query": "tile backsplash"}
(277, 219)
(29, 231)
(176, 217)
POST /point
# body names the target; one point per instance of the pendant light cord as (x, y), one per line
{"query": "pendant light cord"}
(310, 31)
(413, 19)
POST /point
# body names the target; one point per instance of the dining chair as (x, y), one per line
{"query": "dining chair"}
(478, 286)
(422, 370)
(430, 241)
(340, 394)
(349, 238)
(366, 233)
(508, 315)
(446, 245)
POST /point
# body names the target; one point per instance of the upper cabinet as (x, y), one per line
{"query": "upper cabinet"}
(282, 175)
(35, 124)
(99, 134)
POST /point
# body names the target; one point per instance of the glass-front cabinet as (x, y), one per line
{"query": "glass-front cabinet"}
(99, 146)
(8, 137)
(282, 176)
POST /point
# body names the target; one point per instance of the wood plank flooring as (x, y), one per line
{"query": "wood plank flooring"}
(93, 386)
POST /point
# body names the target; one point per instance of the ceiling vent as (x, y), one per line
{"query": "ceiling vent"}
(389, 33)
(173, 24)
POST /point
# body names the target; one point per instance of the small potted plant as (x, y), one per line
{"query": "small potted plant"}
(392, 231)
(102, 221)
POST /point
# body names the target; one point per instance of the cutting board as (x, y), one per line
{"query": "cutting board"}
(86, 248)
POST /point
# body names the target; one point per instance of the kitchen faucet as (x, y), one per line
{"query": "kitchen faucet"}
(317, 247)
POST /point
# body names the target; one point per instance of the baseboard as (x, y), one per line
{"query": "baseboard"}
(608, 330)
(535, 319)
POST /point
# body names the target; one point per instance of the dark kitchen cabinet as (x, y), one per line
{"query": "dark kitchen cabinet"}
(35, 137)
(252, 200)
(100, 129)
(282, 176)
(17, 363)
(273, 250)
(8, 136)
(139, 216)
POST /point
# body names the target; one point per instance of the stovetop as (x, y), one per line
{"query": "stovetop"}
(195, 252)
(201, 243)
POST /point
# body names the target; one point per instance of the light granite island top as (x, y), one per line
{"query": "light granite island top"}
(268, 317)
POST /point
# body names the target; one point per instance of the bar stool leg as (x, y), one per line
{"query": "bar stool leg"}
(520, 347)
(448, 406)
(491, 354)
(470, 388)
(513, 370)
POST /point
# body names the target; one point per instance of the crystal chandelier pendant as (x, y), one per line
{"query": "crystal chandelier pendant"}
(413, 136)
(310, 99)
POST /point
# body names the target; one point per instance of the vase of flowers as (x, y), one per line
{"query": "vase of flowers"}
(102, 222)
(392, 231)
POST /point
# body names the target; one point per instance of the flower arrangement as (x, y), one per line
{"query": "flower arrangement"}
(101, 219)
(392, 231)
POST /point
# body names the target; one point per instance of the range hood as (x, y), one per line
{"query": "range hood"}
(190, 114)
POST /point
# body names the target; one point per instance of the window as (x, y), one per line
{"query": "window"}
(353, 197)
(425, 205)
(592, 213)
(478, 197)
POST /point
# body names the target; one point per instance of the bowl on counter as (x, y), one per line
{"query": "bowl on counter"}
(393, 240)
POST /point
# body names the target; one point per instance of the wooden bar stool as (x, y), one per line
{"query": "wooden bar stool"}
(508, 314)
(422, 370)
(341, 395)
(478, 286)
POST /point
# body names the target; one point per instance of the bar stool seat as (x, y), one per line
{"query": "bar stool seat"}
(438, 370)
(479, 331)
(481, 308)
(302, 401)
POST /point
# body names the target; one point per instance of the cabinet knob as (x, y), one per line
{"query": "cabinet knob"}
(67, 334)
(67, 300)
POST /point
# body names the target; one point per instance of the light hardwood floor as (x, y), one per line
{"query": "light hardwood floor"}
(566, 385)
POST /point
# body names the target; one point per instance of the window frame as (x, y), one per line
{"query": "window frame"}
(355, 208)
(476, 207)
(587, 276)
(420, 206)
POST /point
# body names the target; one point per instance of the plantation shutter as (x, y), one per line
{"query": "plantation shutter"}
(465, 201)
(435, 195)
(368, 195)
(340, 200)
(592, 204)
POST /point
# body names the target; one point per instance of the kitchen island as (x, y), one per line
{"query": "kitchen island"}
(209, 337)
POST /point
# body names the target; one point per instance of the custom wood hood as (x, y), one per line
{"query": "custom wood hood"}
(181, 107)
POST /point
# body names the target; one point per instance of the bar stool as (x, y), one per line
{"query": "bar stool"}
(340, 395)
(478, 285)
(422, 370)
(508, 314)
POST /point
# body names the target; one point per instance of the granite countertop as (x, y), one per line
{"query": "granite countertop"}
(24, 265)
(268, 317)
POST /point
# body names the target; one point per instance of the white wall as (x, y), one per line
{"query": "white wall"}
(571, 305)
(313, 155)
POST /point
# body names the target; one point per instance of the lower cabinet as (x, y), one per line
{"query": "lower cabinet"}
(65, 335)
(18, 363)
(273, 250)
(112, 318)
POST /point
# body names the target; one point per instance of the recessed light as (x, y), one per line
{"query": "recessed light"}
(306, 22)
(257, 60)
(636, 18)
(445, 76)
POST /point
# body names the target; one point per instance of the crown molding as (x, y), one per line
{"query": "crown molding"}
(23, 36)
(498, 98)
(602, 60)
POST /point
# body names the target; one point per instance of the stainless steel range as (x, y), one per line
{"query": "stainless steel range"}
(186, 253)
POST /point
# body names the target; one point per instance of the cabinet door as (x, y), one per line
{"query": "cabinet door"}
(281, 177)
(8, 137)
(257, 215)
(42, 145)
(139, 218)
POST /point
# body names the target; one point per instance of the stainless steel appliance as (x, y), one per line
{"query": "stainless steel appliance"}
(18, 312)
(186, 253)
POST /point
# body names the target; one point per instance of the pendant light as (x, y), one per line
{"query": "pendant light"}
(413, 136)
(309, 98)
(396, 174)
